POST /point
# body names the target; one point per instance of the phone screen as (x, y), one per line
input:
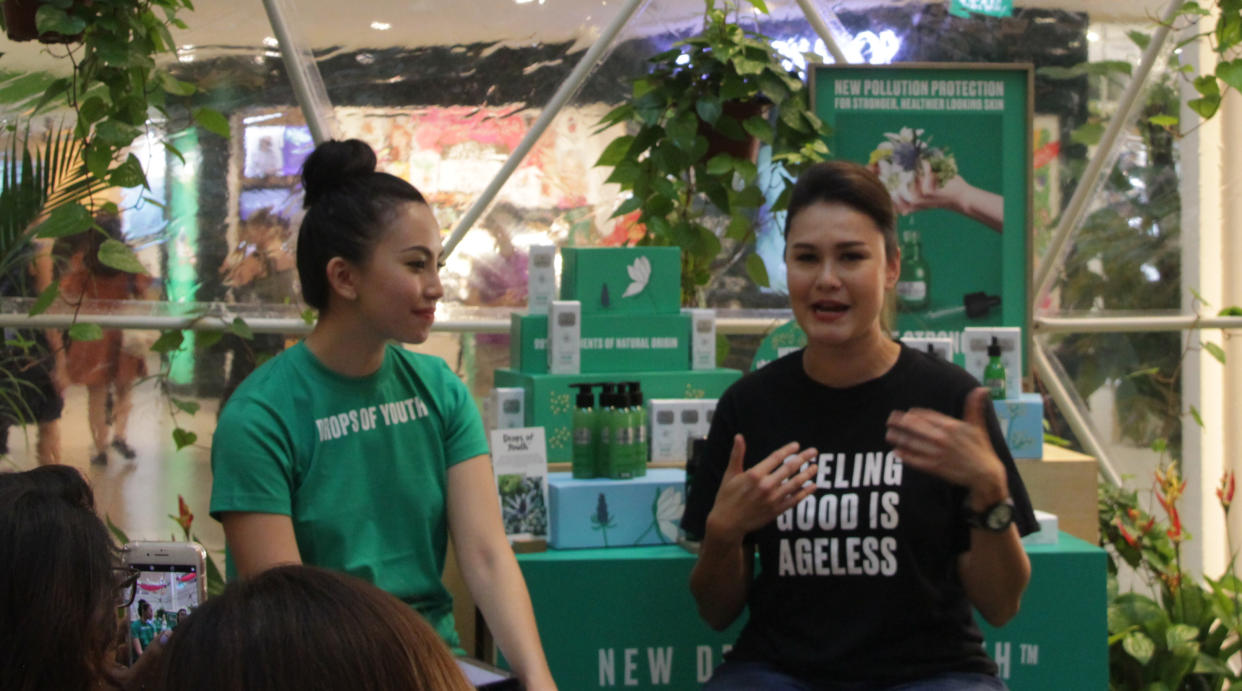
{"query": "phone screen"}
(163, 596)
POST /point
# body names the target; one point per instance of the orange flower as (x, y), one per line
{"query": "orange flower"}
(1225, 492)
(1125, 533)
(183, 518)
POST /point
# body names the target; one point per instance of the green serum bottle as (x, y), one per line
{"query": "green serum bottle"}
(585, 432)
(994, 372)
(914, 286)
(615, 449)
(638, 429)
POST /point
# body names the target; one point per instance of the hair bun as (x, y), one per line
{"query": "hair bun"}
(335, 164)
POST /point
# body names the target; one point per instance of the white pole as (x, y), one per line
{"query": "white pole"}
(821, 28)
(553, 107)
(304, 75)
(1054, 378)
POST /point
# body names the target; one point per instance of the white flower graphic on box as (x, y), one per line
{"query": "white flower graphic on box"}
(640, 273)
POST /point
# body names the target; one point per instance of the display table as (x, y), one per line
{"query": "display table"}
(624, 618)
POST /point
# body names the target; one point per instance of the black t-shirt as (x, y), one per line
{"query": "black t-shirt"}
(858, 582)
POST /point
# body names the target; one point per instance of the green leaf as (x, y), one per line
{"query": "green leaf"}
(1207, 85)
(45, 299)
(129, 174)
(175, 86)
(206, 339)
(759, 128)
(53, 19)
(1194, 413)
(64, 221)
(616, 151)
(1231, 73)
(1180, 634)
(627, 206)
(168, 342)
(118, 255)
(683, 129)
(93, 109)
(98, 158)
(756, 269)
(1140, 39)
(1163, 120)
(1088, 134)
(709, 109)
(116, 133)
(190, 407)
(183, 438)
(85, 332)
(759, 5)
(1231, 311)
(117, 534)
(212, 121)
(720, 164)
(309, 315)
(1139, 646)
(658, 205)
(1215, 351)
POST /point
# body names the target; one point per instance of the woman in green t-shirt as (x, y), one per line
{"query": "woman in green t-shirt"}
(348, 452)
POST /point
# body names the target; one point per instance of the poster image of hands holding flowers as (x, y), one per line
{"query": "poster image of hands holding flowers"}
(921, 176)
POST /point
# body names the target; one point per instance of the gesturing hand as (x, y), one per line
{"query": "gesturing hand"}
(957, 451)
(750, 499)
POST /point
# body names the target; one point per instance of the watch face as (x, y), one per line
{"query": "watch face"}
(999, 517)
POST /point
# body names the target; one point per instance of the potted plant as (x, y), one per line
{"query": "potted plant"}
(54, 186)
(695, 121)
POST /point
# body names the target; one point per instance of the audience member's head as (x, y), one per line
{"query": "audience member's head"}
(302, 628)
(58, 587)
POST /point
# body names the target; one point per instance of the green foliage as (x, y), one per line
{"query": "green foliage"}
(724, 83)
(1170, 631)
(1224, 37)
(1127, 256)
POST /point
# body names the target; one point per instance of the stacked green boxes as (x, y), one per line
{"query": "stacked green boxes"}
(632, 330)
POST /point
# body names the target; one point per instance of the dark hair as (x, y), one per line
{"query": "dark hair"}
(57, 585)
(301, 628)
(348, 206)
(851, 184)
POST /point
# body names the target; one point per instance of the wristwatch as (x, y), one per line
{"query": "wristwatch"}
(996, 518)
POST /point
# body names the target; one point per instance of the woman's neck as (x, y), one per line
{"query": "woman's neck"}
(345, 346)
(849, 364)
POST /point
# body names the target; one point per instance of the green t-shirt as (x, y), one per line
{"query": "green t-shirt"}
(144, 631)
(359, 463)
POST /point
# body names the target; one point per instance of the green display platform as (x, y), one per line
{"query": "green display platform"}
(624, 618)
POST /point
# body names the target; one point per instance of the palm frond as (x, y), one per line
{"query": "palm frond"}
(36, 180)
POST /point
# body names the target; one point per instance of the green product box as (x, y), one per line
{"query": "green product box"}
(609, 343)
(622, 280)
(550, 400)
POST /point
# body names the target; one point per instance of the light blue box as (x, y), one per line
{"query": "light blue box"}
(615, 513)
(1022, 422)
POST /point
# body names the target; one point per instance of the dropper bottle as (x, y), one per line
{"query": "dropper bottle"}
(994, 373)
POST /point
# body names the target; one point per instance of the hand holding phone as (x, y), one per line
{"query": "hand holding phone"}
(168, 581)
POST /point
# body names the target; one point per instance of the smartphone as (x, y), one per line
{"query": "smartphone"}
(169, 582)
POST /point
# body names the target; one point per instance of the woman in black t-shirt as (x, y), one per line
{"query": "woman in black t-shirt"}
(872, 479)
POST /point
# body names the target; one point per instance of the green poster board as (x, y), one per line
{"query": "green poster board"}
(952, 142)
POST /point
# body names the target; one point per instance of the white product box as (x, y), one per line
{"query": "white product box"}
(702, 338)
(541, 279)
(940, 347)
(505, 408)
(668, 438)
(564, 337)
(975, 341)
(707, 407)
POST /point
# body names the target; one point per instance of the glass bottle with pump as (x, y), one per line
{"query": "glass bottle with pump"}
(994, 372)
(638, 429)
(615, 451)
(914, 286)
(585, 432)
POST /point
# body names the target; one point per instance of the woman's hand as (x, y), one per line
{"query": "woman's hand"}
(749, 499)
(957, 451)
(925, 192)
